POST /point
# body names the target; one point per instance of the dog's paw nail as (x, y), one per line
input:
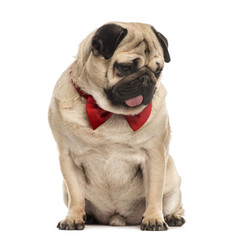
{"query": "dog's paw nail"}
(80, 226)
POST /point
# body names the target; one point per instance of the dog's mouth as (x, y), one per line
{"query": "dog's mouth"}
(133, 90)
(135, 101)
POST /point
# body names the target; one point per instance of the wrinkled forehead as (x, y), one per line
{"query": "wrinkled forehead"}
(142, 44)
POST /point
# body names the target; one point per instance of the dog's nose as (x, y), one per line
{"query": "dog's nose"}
(145, 79)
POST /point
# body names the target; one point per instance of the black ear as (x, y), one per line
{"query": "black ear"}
(164, 44)
(107, 39)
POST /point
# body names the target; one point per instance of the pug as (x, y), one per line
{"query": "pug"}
(111, 126)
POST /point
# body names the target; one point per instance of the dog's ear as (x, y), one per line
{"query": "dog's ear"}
(164, 44)
(107, 39)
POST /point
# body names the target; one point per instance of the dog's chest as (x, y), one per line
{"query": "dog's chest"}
(112, 173)
(115, 163)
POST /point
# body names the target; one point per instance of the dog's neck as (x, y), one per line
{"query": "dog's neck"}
(97, 116)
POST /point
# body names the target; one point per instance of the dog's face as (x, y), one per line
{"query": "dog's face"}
(125, 64)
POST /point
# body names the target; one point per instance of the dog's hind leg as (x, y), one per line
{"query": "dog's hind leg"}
(173, 211)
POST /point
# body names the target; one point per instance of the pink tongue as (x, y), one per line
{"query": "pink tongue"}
(133, 102)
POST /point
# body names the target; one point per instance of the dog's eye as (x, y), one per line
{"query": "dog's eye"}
(158, 71)
(125, 68)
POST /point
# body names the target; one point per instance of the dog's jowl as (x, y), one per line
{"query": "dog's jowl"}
(109, 119)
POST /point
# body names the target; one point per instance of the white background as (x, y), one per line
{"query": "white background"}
(39, 39)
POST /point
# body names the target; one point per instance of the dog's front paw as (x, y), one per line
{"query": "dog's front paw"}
(155, 224)
(71, 224)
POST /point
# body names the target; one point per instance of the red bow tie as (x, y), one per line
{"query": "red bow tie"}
(97, 116)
